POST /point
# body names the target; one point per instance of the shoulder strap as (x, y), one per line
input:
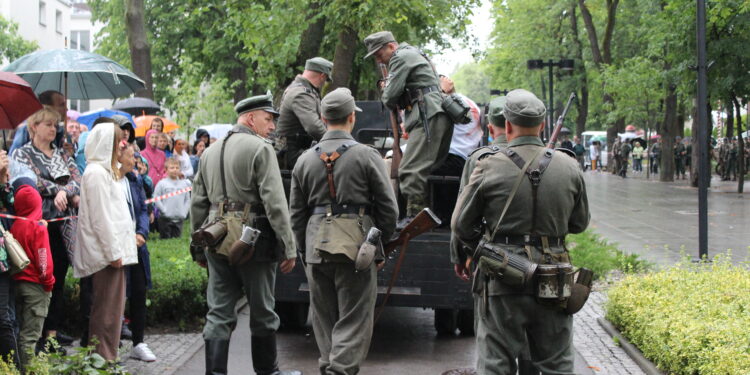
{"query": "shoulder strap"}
(221, 168)
(513, 192)
(329, 159)
(485, 151)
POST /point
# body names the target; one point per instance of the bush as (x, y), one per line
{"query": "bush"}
(178, 296)
(689, 319)
(83, 361)
(589, 250)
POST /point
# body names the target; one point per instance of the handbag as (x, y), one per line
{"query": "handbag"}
(17, 255)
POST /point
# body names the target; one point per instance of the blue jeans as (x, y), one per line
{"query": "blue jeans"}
(8, 339)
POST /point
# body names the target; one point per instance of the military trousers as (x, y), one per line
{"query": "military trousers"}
(227, 284)
(343, 303)
(421, 156)
(509, 321)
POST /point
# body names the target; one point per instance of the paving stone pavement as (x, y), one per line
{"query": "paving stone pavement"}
(601, 353)
(171, 350)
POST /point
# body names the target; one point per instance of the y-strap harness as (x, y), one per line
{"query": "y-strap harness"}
(535, 177)
(334, 208)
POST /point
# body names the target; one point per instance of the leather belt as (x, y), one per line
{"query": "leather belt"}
(411, 95)
(234, 206)
(522, 240)
(337, 209)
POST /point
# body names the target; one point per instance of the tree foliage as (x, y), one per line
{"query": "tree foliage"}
(12, 45)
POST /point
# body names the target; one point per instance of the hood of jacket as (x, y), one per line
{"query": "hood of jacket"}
(28, 202)
(99, 145)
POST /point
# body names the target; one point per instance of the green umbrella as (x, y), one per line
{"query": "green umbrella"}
(86, 75)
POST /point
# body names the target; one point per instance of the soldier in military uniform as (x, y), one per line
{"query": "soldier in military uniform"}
(616, 148)
(508, 314)
(299, 121)
(414, 86)
(679, 157)
(331, 210)
(240, 178)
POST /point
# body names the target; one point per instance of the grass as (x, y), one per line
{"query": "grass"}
(590, 250)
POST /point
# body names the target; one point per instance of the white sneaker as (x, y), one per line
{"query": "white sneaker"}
(143, 353)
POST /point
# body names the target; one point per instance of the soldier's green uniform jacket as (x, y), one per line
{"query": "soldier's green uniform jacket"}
(300, 110)
(252, 176)
(408, 69)
(562, 202)
(360, 179)
(457, 254)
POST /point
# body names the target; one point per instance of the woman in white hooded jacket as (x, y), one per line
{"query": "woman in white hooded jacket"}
(106, 237)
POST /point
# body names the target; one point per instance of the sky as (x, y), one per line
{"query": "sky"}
(480, 27)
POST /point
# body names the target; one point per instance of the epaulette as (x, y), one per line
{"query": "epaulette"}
(485, 151)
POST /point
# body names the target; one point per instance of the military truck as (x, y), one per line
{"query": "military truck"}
(426, 279)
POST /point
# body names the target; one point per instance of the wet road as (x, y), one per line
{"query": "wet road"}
(657, 220)
(404, 343)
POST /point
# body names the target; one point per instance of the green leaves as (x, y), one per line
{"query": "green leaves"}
(12, 45)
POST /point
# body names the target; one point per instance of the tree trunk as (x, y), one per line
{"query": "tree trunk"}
(740, 147)
(238, 80)
(730, 119)
(343, 58)
(582, 105)
(312, 38)
(140, 49)
(668, 131)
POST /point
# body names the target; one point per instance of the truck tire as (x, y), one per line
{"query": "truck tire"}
(446, 321)
(293, 315)
(465, 322)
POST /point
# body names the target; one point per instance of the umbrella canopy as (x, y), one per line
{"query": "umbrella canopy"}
(143, 124)
(137, 106)
(88, 118)
(17, 100)
(564, 130)
(89, 76)
(217, 131)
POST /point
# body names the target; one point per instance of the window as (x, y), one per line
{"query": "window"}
(58, 21)
(42, 13)
(80, 39)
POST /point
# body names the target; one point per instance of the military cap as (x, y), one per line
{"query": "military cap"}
(495, 112)
(264, 102)
(338, 104)
(319, 64)
(523, 108)
(375, 41)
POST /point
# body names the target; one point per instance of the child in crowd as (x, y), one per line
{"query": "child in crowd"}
(163, 144)
(174, 210)
(33, 284)
(180, 152)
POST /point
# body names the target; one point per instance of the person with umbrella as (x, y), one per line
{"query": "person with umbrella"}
(56, 101)
(58, 181)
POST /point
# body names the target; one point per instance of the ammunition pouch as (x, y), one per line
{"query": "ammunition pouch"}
(456, 109)
(511, 269)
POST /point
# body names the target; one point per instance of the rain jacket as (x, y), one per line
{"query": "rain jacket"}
(156, 159)
(33, 237)
(106, 232)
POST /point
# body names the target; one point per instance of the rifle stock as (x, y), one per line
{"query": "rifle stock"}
(396, 131)
(424, 221)
(559, 123)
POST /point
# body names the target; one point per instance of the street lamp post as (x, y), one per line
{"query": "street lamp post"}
(704, 169)
(564, 64)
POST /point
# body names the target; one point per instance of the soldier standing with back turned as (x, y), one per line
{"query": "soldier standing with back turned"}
(332, 209)
(414, 86)
(299, 120)
(239, 177)
(507, 314)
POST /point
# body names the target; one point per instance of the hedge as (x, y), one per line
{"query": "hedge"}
(689, 319)
(178, 296)
(590, 250)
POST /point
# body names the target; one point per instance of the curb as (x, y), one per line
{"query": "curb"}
(647, 366)
(177, 365)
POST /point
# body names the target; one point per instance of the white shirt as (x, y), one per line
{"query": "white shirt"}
(467, 137)
(186, 167)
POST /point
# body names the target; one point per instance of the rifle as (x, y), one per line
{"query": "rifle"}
(424, 221)
(559, 123)
(396, 130)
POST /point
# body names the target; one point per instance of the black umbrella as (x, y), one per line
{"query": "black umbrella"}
(137, 106)
(564, 130)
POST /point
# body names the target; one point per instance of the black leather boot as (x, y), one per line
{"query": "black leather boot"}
(217, 354)
(264, 356)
